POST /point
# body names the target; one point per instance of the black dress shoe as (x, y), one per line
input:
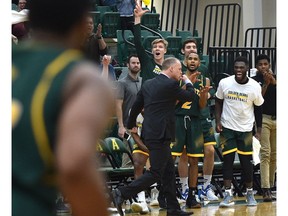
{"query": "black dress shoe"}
(118, 201)
(178, 212)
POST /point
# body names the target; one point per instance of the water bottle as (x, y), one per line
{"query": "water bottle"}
(154, 193)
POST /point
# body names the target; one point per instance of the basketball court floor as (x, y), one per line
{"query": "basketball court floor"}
(211, 209)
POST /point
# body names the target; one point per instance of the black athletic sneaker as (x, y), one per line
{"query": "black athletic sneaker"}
(191, 201)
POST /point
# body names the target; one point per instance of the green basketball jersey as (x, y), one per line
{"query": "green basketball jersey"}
(38, 75)
(205, 112)
(191, 108)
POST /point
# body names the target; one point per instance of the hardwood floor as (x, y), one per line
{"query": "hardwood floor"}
(212, 209)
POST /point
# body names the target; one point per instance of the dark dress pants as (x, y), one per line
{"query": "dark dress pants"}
(162, 168)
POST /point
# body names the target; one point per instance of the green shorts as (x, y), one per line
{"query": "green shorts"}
(189, 134)
(208, 132)
(235, 141)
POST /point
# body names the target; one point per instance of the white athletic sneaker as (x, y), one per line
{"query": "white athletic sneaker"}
(180, 201)
(145, 209)
(154, 203)
(227, 200)
(140, 207)
(250, 198)
(184, 195)
(208, 194)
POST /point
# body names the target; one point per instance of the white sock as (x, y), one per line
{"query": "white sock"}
(207, 180)
(249, 189)
(141, 196)
(184, 183)
(154, 185)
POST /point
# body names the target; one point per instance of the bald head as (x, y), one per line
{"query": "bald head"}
(169, 62)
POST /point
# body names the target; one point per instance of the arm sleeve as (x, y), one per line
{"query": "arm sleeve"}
(258, 115)
(120, 90)
(104, 51)
(184, 95)
(144, 58)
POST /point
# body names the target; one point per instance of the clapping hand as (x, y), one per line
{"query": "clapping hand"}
(269, 78)
(106, 59)
(99, 30)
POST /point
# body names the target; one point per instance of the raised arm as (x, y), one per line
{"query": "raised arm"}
(203, 96)
(105, 70)
(140, 50)
(138, 13)
(102, 43)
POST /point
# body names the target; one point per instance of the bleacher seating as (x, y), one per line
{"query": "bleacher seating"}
(110, 24)
(145, 33)
(165, 34)
(174, 45)
(184, 35)
(96, 18)
(151, 20)
(117, 148)
(117, 175)
(129, 48)
(104, 154)
(124, 49)
(103, 9)
(108, 166)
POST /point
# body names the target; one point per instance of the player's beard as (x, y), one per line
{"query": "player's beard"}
(192, 70)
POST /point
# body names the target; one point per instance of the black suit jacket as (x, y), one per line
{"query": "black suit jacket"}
(158, 97)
